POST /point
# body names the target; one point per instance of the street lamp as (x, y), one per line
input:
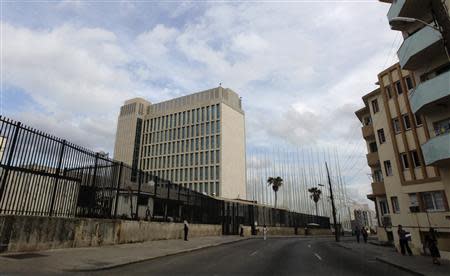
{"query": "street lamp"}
(413, 20)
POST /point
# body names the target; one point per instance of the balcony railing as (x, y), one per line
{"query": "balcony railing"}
(430, 91)
(367, 131)
(419, 47)
(436, 151)
(378, 188)
(372, 159)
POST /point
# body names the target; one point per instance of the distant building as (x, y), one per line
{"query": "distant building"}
(362, 216)
(197, 140)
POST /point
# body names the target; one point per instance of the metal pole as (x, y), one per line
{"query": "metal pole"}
(10, 157)
(118, 189)
(336, 235)
(138, 194)
(58, 169)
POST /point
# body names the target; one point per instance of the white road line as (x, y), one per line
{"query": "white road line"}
(318, 257)
(254, 253)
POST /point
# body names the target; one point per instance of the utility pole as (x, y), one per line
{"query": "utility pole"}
(336, 234)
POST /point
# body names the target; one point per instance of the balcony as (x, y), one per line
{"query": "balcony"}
(436, 151)
(367, 132)
(431, 92)
(406, 8)
(372, 159)
(378, 189)
(419, 48)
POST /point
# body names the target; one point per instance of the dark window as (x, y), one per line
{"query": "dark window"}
(418, 120)
(434, 201)
(373, 147)
(405, 162)
(415, 157)
(398, 87)
(375, 107)
(406, 121)
(389, 92)
(381, 137)
(388, 168)
(409, 83)
(395, 205)
(396, 124)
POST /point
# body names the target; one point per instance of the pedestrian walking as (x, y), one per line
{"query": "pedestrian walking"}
(403, 240)
(148, 214)
(357, 233)
(265, 232)
(186, 230)
(364, 234)
(431, 244)
(241, 230)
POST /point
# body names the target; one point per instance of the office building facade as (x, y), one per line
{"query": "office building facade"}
(197, 140)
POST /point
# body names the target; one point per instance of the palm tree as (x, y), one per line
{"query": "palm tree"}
(276, 183)
(315, 195)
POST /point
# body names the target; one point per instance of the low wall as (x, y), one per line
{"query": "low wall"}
(289, 231)
(31, 233)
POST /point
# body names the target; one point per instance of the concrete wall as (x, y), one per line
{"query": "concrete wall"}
(30, 233)
(289, 231)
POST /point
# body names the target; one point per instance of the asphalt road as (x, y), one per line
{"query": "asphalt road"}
(276, 256)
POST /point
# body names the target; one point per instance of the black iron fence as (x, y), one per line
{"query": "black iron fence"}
(47, 176)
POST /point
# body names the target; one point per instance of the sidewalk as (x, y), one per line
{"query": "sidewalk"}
(98, 258)
(419, 265)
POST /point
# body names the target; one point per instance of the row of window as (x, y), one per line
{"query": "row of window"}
(204, 143)
(204, 114)
(431, 201)
(204, 129)
(190, 174)
(181, 160)
(405, 163)
(398, 89)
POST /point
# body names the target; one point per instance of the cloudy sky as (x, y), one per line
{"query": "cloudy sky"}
(301, 67)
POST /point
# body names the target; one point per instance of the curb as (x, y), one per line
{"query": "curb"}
(106, 267)
(399, 266)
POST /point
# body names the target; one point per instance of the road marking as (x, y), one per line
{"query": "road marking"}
(309, 245)
(254, 253)
(318, 257)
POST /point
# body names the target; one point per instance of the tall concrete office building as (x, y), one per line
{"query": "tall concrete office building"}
(407, 189)
(196, 140)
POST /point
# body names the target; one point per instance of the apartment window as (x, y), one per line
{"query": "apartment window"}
(212, 142)
(196, 143)
(388, 92)
(207, 128)
(206, 158)
(409, 83)
(196, 158)
(398, 87)
(442, 127)
(395, 205)
(217, 156)
(388, 168)
(207, 142)
(202, 128)
(217, 141)
(415, 157)
(198, 115)
(218, 127)
(418, 119)
(433, 201)
(396, 125)
(218, 111)
(373, 147)
(375, 107)
(377, 176)
(381, 137)
(207, 113)
(203, 114)
(406, 121)
(201, 158)
(384, 207)
(404, 158)
(217, 172)
(212, 157)
(213, 124)
(413, 201)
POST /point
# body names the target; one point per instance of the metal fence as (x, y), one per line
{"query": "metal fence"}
(47, 176)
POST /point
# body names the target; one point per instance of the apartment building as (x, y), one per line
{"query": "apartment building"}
(197, 140)
(406, 189)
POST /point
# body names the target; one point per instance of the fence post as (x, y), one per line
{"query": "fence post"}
(58, 169)
(154, 197)
(139, 173)
(9, 160)
(118, 189)
(94, 179)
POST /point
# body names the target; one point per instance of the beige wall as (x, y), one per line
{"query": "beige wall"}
(233, 176)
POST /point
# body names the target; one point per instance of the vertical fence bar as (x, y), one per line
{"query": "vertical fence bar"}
(58, 169)
(139, 174)
(10, 157)
(94, 189)
(118, 189)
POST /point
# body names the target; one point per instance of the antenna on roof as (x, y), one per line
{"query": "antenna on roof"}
(220, 84)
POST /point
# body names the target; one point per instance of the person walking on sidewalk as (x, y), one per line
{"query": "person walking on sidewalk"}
(403, 241)
(265, 232)
(364, 234)
(357, 233)
(186, 230)
(431, 243)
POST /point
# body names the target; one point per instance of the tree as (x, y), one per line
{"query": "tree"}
(276, 183)
(315, 195)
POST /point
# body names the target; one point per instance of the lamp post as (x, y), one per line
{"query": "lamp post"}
(413, 20)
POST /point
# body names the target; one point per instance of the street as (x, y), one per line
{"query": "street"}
(276, 256)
